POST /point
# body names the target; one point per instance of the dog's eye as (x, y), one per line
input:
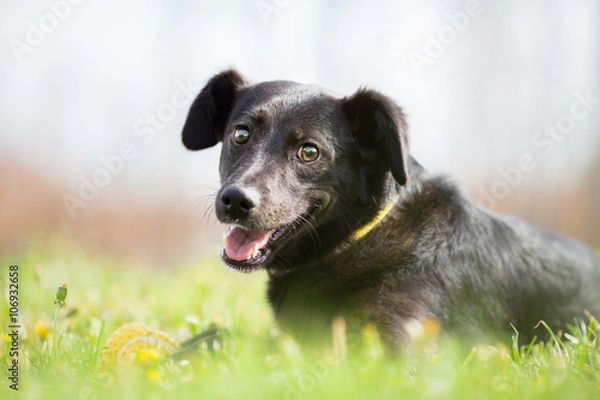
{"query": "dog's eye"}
(308, 153)
(241, 135)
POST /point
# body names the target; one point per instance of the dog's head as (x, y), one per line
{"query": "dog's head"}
(298, 165)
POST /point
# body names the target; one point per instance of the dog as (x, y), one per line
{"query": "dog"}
(322, 193)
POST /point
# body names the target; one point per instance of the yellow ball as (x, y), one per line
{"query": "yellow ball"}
(136, 342)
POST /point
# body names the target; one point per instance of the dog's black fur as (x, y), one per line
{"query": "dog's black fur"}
(436, 255)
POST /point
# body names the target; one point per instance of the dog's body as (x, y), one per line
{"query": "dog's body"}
(322, 194)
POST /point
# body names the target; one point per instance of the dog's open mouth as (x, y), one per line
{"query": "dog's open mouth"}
(247, 250)
(242, 245)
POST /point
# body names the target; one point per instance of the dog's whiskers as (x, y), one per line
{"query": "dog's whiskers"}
(207, 216)
(312, 231)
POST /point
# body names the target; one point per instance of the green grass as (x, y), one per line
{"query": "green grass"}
(253, 359)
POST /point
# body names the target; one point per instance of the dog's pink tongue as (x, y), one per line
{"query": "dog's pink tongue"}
(241, 241)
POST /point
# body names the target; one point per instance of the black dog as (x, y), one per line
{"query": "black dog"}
(322, 193)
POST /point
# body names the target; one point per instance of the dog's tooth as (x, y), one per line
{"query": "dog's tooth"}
(225, 238)
(255, 250)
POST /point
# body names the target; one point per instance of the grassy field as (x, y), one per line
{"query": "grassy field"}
(65, 352)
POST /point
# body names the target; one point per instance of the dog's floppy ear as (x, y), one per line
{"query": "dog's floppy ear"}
(209, 113)
(379, 129)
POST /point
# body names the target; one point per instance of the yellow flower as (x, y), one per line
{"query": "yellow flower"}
(432, 326)
(154, 375)
(369, 333)
(147, 355)
(136, 342)
(42, 330)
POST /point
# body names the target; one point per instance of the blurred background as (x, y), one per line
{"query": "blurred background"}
(501, 95)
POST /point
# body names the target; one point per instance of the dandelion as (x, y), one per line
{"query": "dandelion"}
(424, 334)
(369, 333)
(42, 330)
(372, 341)
(61, 295)
(431, 326)
(59, 302)
(5, 343)
(153, 375)
(146, 356)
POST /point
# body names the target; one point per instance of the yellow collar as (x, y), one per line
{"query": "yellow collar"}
(366, 228)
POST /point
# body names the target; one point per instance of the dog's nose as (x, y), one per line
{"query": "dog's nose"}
(237, 202)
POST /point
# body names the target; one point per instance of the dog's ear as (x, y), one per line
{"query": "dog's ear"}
(209, 113)
(379, 129)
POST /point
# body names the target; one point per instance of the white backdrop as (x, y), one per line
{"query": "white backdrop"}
(479, 80)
